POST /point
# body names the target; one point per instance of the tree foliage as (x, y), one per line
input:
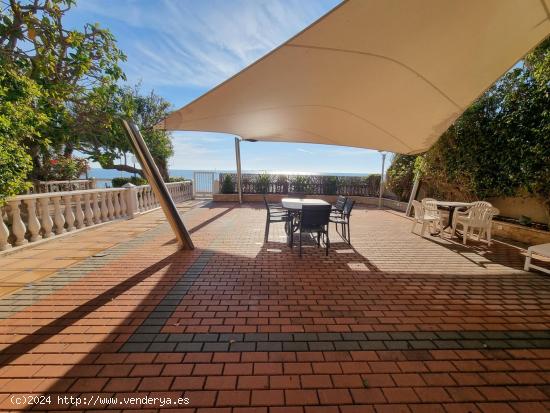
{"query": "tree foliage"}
(19, 125)
(109, 144)
(75, 75)
(400, 175)
(66, 65)
(500, 146)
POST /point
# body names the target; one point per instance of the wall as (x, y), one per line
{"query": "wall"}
(514, 207)
(361, 200)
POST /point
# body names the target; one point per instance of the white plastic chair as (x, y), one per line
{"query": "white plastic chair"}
(478, 217)
(424, 214)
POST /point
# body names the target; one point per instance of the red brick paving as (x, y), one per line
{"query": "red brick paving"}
(69, 342)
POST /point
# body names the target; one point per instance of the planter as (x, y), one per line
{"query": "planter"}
(526, 235)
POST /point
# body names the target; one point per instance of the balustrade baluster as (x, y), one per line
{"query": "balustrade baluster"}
(96, 209)
(110, 205)
(104, 208)
(69, 215)
(33, 223)
(139, 198)
(123, 207)
(146, 199)
(58, 218)
(88, 211)
(116, 204)
(4, 233)
(46, 221)
(18, 228)
(79, 214)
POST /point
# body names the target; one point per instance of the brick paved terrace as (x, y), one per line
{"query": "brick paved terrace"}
(396, 323)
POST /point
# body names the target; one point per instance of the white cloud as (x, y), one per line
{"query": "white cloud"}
(192, 43)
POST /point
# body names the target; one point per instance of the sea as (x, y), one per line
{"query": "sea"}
(105, 175)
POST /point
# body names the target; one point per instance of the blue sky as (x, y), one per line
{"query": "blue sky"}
(183, 48)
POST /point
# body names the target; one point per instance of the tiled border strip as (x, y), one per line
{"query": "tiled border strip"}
(149, 339)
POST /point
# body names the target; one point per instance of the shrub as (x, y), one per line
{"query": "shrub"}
(300, 183)
(65, 168)
(262, 183)
(228, 186)
(373, 183)
(331, 185)
(177, 179)
(135, 180)
(400, 175)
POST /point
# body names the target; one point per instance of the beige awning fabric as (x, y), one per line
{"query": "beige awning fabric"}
(381, 74)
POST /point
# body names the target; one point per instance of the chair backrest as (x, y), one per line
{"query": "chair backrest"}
(348, 206)
(482, 203)
(314, 216)
(429, 205)
(340, 202)
(480, 216)
(418, 212)
(267, 206)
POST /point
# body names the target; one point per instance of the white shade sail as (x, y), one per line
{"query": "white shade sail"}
(381, 74)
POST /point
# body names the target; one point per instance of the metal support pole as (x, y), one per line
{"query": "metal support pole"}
(238, 158)
(381, 191)
(413, 194)
(157, 185)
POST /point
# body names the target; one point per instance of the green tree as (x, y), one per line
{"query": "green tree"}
(19, 123)
(68, 66)
(102, 138)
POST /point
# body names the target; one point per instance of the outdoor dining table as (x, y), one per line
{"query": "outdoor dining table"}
(451, 206)
(294, 206)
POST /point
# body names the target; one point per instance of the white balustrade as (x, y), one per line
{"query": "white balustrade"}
(29, 218)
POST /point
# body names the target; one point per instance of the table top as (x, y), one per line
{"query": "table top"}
(296, 203)
(453, 204)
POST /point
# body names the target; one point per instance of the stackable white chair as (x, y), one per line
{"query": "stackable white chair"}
(425, 214)
(478, 217)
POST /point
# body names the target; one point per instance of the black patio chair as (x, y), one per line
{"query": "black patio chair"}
(314, 219)
(274, 214)
(343, 220)
(338, 207)
(273, 205)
